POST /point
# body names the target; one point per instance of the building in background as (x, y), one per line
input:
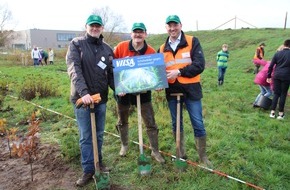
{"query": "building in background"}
(55, 39)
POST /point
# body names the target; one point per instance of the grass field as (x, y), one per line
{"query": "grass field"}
(243, 142)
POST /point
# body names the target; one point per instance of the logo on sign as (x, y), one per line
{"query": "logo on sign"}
(125, 62)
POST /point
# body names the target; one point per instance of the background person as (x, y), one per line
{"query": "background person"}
(50, 56)
(89, 66)
(36, 56)
(281, 79)
(259, 57)
(222, 63)
(261, 81)
(136, 46)
(44, 56)
(185, 62)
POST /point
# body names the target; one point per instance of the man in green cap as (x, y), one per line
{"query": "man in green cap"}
(89, 66)
(134, 47)
(184, 60)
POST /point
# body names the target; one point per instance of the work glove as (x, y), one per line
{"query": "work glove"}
(96, 99)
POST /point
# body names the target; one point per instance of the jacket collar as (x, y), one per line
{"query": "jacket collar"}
(182, 43)
(94, 40)
(141, 51)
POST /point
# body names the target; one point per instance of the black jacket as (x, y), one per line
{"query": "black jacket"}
(89, 66)
(282, 61)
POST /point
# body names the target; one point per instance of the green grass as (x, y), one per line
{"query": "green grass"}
(243, 142)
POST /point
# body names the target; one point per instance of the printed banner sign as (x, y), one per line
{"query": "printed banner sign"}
(139, 73)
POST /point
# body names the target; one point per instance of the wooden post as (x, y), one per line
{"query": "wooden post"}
(285, 21)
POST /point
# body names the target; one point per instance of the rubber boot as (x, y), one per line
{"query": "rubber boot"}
(122, 126)
(200, 143)
(182, 153)
(153, 139)
(123, 130)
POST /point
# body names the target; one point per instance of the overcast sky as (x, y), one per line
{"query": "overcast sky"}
(194, 15)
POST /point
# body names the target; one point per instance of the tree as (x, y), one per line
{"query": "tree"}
(5, 18)
(114, 24)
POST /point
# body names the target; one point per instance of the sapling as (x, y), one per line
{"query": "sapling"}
(11, 134)
(28, 149)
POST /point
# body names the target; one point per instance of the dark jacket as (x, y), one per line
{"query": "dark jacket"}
(192, 91)
(282, 61)
(89, 66)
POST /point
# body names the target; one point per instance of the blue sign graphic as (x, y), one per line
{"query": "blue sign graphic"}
(139, 73)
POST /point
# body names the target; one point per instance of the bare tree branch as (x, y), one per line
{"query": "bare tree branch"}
(5, 18)
(113, 23)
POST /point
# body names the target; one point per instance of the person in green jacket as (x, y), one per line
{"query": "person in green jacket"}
(44, 55)
(222, 63)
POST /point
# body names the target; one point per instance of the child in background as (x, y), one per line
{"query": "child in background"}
(258, 59)
(261, 81)
(222, 63)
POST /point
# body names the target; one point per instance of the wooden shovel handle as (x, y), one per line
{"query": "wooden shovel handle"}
(139, 123)
(94, 137)
(178, 95)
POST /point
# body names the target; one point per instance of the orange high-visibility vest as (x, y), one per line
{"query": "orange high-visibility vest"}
(181, 59)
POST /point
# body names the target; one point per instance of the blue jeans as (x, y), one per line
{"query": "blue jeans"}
(194, 109)
(265, 91)
(222, 72)
(84, 124)
(35, 62)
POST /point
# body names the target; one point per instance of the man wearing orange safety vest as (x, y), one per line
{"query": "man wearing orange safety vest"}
(185, 62)
(258, 59)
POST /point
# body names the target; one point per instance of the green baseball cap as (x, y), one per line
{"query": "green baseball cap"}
(173, 18)
(138, 25)
(94, 19)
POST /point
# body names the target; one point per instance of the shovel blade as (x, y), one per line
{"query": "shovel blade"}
(102, 180)
(180, 165)
(144, 165)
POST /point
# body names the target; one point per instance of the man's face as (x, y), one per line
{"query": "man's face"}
(173, 29)
(95, 30)
(138, 36)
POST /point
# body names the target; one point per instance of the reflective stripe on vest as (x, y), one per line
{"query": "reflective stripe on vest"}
(181, 59)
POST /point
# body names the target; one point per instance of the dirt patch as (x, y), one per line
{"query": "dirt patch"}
(49, 171)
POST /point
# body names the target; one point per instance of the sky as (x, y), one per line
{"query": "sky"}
(194, 15)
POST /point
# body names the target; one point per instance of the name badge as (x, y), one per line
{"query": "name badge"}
(102, 65)
(185, 54)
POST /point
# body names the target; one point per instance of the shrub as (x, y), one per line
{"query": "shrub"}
(37, 86)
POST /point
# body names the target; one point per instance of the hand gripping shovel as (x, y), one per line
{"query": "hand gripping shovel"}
(101, 178)
(180, 165)
(143, 162)
(96, 98)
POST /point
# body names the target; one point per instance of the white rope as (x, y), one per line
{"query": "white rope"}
(173, 156)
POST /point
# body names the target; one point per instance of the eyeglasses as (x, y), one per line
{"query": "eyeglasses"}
(139, 32)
